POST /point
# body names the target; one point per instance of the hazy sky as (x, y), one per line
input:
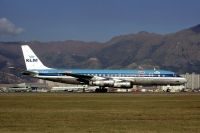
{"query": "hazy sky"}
(92, 20)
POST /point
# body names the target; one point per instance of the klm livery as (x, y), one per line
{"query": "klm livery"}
(101, 78)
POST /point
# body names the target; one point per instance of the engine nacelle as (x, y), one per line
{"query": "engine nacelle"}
(107, 83)
(122, 85)
(111, 83)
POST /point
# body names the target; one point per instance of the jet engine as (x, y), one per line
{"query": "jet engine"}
(122, 85)
(111, 83)
(108, 83)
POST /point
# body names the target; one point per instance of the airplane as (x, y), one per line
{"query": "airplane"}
(101, 78)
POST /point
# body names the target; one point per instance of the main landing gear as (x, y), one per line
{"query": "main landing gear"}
(101, 90)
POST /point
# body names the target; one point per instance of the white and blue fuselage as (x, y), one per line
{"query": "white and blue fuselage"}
(135, 77)
(101, 78)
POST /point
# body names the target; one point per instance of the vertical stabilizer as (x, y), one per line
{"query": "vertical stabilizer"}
(31, 60)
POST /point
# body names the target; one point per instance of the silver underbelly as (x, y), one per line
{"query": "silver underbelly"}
(61, 79)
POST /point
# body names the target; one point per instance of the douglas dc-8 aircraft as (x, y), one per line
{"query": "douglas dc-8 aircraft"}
(101, 78)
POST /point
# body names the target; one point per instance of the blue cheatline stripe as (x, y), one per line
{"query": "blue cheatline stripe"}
(88, 71)
(112, 75)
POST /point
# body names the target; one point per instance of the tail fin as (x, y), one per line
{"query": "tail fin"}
(31, 60)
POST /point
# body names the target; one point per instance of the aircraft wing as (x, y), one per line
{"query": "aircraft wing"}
(79, 76)
(84, 78)
(89, 77)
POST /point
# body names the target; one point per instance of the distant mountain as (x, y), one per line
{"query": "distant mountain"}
(124, 50)
(178, 52)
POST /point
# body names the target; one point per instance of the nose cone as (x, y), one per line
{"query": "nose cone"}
(183, 80)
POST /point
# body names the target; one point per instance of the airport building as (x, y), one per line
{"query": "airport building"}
(193, 81)
(62, 87)
(23, 87)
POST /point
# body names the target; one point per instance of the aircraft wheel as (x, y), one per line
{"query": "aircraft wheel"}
(102, 90)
